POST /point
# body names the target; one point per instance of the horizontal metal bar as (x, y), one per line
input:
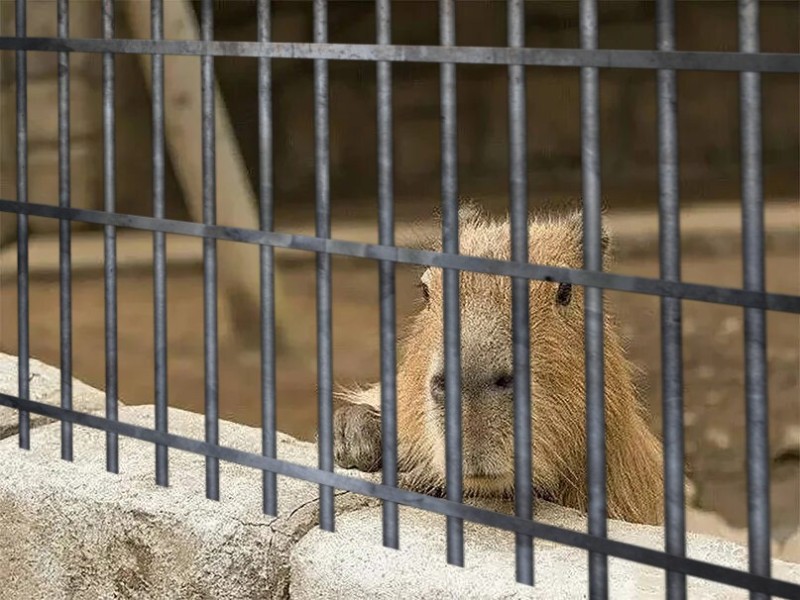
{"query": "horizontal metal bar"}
(546, 57)
(611, 281)
(577, 539)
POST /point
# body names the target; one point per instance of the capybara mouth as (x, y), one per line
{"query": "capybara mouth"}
(499, 486)
(494, 482)
(480, 476)
(486, 469)
(479, 462)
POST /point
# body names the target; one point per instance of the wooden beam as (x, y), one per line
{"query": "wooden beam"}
(236, 201)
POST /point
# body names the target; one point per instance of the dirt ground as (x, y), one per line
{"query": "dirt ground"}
(713, 359)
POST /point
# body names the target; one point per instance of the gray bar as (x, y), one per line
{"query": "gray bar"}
(210, 253)
(593, 307)
(452, 310)
(755, 334)
(159, 246)
(612, 281)
(387, 276)
(518, 193)
(64, 231)
(23, 318)
(110, 238)
(506, 522)
(543, 57)
(267, 257)
(671, 336)
(323, 230)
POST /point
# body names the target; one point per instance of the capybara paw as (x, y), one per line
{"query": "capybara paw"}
(357, 437)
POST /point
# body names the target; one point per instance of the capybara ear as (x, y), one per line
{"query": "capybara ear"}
(605, 242)
(469, 211)
(575, 220)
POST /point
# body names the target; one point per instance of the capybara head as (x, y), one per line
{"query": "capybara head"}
(557, 376)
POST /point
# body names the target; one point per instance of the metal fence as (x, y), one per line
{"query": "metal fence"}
(749, 62)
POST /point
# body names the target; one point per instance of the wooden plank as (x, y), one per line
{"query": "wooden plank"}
(236, 204)
(134, 252)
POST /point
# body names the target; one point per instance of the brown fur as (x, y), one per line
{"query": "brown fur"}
(634, 460)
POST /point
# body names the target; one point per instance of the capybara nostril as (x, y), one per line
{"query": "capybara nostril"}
(504, 382)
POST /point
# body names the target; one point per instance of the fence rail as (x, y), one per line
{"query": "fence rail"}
(665, 60)
(411, 256)
(533, 57)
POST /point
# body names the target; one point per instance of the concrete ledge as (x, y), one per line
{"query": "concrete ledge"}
(72, 530)
(76, 531)
(365, 569)
(45, 386)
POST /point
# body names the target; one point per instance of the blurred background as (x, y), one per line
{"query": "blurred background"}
(710, 203)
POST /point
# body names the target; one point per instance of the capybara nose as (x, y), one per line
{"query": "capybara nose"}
(501, 382)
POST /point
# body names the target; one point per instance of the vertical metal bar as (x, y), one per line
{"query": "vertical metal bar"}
(593, 308)
(671, 336)
(210, 252)
(22, 227)
(64, 237)
(387, 276)
(754, 318)
(110, 237)
(518, 193)
(452, 310)
(323, 230)
(268, 417)
(159, 246)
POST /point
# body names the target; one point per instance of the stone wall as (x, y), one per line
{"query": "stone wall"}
(72, 530)
(132, 102)
(708, 105)
(708, 101)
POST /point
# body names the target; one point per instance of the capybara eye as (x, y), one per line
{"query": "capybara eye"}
(426, 293)
(564, 294)
(504, 382)
(437, 386)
